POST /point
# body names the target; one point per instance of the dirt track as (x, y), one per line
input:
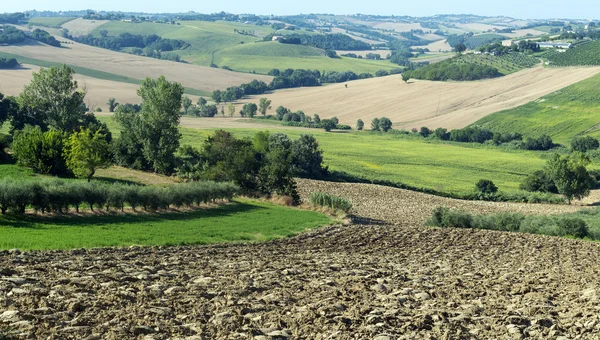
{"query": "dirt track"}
(366, 281)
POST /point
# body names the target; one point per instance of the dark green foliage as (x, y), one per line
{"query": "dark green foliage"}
(471, 135)
(486, 187)
(59, 196)
(11, 35)
(541, 143)
(539, 181)
(375, 124)
(335, 41)
(441, 134)
(570, 175)
(44, 37)
(360, 125)
(249, 110)
(8, 63)
(385, 124)
(425, 132)
(448, 70)
(584, 143)
(307, 157)
(151, 44)
(330, 201)
(328, 124)
(547, 225)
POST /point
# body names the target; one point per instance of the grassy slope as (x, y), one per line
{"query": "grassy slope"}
(563, 114)
(50, 21)
(215, 42)
(90, 72)
(244, 220)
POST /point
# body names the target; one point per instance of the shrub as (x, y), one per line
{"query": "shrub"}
(539, 181)
(40, 151)
(485, 186)
(503, 222)
(360, 125)
(443, 217)
(425, 132)
(584, 143)
(330, 201)
(575, 227)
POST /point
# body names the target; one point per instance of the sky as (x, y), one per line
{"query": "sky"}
(532, 9)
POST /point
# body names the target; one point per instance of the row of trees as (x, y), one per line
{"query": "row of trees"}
(448, 70)
(481, 135)
(60, 196)
(8, 63)
(151, 42)
(335, 41)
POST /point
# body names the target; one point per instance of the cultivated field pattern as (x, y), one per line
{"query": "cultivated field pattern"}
(426, 103)
(385, 277)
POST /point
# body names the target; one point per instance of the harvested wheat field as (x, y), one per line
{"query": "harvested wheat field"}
(192, 76)
(98, 90)
(377, 279)
(82, 26)
(426, 103)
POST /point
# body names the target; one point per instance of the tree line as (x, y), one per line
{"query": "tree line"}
(11, 35)
(335, 41)
(52, 133)
(8, 63)
(448, 70)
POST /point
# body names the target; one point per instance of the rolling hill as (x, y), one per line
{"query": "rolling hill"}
(426, 103)
(563, 114)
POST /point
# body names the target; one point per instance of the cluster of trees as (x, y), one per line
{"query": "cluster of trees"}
(11, 35)
(566, 175)
(11, 18)
(265, 164)
(481, 135)
(7, 63)
(335, 41)
(299, 118)
(524, 46)
(584, 143)
(381, 124)
(236, 92)
(200, 109)
(59, 196)
(44, 37)
(448, 70)
(142, 44)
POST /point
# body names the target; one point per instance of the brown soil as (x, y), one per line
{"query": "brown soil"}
(388, 278)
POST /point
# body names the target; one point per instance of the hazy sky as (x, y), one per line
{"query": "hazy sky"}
(581, 9)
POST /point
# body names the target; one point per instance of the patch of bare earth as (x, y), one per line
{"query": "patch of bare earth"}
(379, 280)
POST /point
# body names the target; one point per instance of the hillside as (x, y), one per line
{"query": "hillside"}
(563, 114)
(425, 103)
(191, 76)
(579, 55)
(217, 43)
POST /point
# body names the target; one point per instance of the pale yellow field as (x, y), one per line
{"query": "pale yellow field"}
(437, 46)
(478, 27)
(355, 36)
(191, 76)
(81, 26)
(397, 26)
(98, 91)
(427, 103)
(522, 33)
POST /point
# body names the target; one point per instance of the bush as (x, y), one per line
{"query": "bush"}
(443, 217)
(330, 201)
(584, 143)
(485, 186)
(575, 227)
(539, 181)
(541, 143)
(40, 151)
(360, 125)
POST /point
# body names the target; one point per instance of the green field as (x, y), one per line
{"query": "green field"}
(563, 114)
(242, 221)
(216, 43)
(50, 21)
(90, 72)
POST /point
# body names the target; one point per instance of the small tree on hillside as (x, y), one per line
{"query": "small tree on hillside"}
(486, 187)
(360, 125)
(231, 109)
(570, 175)
(112, 104)
(460, 48)
(375, 124)
(385, 124)
(425, 132)
(186, 103)
(264, 105)
(584, 143)
(316, 118)
(201, 101)
(328, 124)
(405, 76)
(249, 110)
(85, 152)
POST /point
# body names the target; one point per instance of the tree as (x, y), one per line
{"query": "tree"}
(328, 124)
(486, 187)
(112, 104)
(584, 143)
(570, 175)
(85, 152)
(425, 132)
(231, 109)
(405, 76)
(264, 105)
(150, 138)
(7, 106)
(53, 99)
(216, 96)
(360, 125)
(186, 103)
(385, 124)
(41, 151)
(460, 48)
(375, 124)
(316, 118)
(307, 157)
(249, 110)
(201, 101)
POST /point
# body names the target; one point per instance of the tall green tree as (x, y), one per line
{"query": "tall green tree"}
(54, 99)
(360, 125)
(186, 104)
(570, 175)
(86, 151)
(263, 105)
(112, 104)
(41, 151)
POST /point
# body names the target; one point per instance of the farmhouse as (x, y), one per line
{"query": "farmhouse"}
(561, 45)
(277, 38)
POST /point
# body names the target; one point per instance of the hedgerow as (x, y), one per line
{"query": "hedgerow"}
(60, 196)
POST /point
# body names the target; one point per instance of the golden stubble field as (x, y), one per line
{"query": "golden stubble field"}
(192, 76)
(426, 103)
